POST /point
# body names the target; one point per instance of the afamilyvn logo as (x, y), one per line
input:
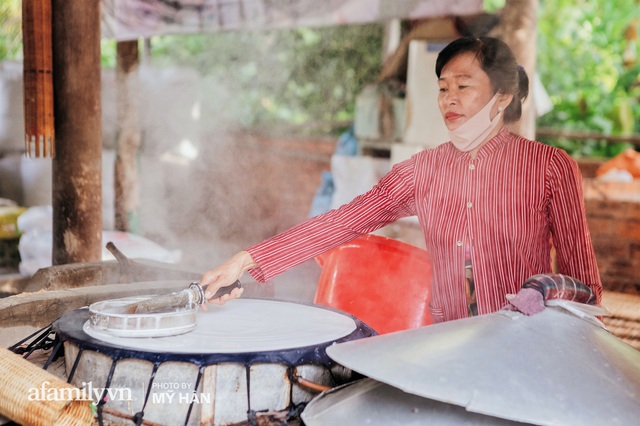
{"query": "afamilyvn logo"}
(46, 393)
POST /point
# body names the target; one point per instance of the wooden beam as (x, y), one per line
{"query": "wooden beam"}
(583, 136)
(77, 166)
(129, 137)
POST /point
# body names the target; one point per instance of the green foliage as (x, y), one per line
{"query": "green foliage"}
(11, 35)
(312, 75)
(108, 53)
(282, 76)
(11, 30)
(492, 6)
(580, 62)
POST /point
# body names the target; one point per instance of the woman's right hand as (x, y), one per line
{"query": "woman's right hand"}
(224, 275)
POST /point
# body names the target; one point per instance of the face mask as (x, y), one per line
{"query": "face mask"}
(473, 131)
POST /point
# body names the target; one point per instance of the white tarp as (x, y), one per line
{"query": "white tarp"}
(131, 19)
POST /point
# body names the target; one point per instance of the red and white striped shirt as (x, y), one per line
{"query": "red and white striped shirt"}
(507, 202)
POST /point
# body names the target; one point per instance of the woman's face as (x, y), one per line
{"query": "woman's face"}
(464, 90)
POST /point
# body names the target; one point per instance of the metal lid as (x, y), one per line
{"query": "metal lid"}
(549, 368)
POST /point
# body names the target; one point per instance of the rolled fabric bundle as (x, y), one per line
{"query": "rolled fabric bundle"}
(559, 286)
(539, 288)
(30, 395)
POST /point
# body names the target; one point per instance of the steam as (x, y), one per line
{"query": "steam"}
(206, 186)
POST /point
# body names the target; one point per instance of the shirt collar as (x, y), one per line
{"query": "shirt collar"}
(493, 144)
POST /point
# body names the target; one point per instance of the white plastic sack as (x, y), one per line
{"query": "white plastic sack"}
(36, 219)
(136, 247)
(353, 176)
(36, 243)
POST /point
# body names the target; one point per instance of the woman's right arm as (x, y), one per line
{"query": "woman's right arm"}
(226, 274)
(389, 200)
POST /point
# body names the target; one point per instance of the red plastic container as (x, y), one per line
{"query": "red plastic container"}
(383, 282)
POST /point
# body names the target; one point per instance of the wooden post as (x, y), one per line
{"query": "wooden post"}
(518, 27)
(128, 144)
(391, 38)
(77, 166)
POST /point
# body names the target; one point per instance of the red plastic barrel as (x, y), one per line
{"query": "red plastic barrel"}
(383, 282)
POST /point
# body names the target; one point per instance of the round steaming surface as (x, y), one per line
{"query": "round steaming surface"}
(245, 325)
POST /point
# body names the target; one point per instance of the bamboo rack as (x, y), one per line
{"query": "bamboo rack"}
(39, 137)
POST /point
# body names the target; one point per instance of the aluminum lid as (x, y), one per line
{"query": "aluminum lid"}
(550, 368)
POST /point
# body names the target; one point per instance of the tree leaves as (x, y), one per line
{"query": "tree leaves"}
(580, 62)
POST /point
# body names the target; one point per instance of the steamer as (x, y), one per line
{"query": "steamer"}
(243, 360)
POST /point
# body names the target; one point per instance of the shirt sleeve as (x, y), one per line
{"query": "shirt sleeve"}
(569, 229)
(389, 200)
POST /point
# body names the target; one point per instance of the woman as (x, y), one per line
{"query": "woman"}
(489, 201)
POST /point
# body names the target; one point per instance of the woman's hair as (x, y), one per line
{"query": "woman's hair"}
(497, 60)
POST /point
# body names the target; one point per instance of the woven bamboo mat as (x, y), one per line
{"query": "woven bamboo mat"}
(624, 321)
(30, 395)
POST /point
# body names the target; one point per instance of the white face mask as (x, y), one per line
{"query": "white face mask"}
(473, 132)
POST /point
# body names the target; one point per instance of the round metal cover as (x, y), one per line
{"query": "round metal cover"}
(550, 368)
(368, 402)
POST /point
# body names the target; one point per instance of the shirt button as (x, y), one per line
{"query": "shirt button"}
(469, 204)
(472, 166)
(459, 243)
